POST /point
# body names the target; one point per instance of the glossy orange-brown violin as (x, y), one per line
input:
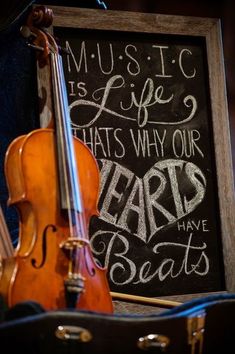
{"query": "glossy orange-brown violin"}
(53, 180)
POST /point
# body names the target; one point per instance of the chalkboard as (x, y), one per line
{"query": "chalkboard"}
(147, 95)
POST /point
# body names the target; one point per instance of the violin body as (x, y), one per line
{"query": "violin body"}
(41, 262)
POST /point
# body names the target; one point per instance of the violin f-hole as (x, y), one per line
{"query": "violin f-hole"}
(44, 247)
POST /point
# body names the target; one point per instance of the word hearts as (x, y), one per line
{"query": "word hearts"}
(126, 197)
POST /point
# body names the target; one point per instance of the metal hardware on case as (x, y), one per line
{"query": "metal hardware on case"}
(196, 328)
(73, 333)
(153, 341)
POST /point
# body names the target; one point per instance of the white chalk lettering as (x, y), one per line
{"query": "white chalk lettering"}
(150, 96)
(133, 67)
(184, 259)
(184, 143)
(182, 53)
(143, 197)
(161, 51)
(191, 225)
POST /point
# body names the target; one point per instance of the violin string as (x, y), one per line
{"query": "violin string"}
(60, 144)
(63, 143)
(6, 246)
(80, 216)
(70, 177)
(74, 178)
(74, 265)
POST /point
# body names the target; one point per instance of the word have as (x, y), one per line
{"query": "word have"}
(125, 197)
(160, 55)
(191, 225)
(169, 259)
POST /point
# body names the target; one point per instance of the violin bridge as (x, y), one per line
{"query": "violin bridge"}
(74, 283)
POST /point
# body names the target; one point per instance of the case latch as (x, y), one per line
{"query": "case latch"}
(73, 333)
(196, 328)
(153, 341)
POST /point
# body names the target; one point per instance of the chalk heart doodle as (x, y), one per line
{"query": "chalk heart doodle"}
(169, 190)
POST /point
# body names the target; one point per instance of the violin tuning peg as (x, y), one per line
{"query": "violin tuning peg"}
(35, 47)
(26, 33)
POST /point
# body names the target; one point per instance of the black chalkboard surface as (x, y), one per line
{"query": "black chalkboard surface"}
(147, 95)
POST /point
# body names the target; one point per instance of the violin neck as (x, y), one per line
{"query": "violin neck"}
(70, 195)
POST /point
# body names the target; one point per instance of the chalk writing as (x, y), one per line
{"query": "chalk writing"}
(141, 104)
(146, 272)
(150, 190)
(152, 97)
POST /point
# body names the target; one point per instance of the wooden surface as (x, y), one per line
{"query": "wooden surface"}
(136, 307)
(132, 21)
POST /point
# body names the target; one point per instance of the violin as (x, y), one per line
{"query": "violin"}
(53, 181)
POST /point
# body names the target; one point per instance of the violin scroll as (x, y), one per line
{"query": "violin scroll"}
(41, 16)
(39, 19)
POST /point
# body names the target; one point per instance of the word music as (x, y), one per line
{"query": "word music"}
(153, 92)
(85, 60)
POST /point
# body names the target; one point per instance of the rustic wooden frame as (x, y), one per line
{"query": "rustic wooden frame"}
(192, 26)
